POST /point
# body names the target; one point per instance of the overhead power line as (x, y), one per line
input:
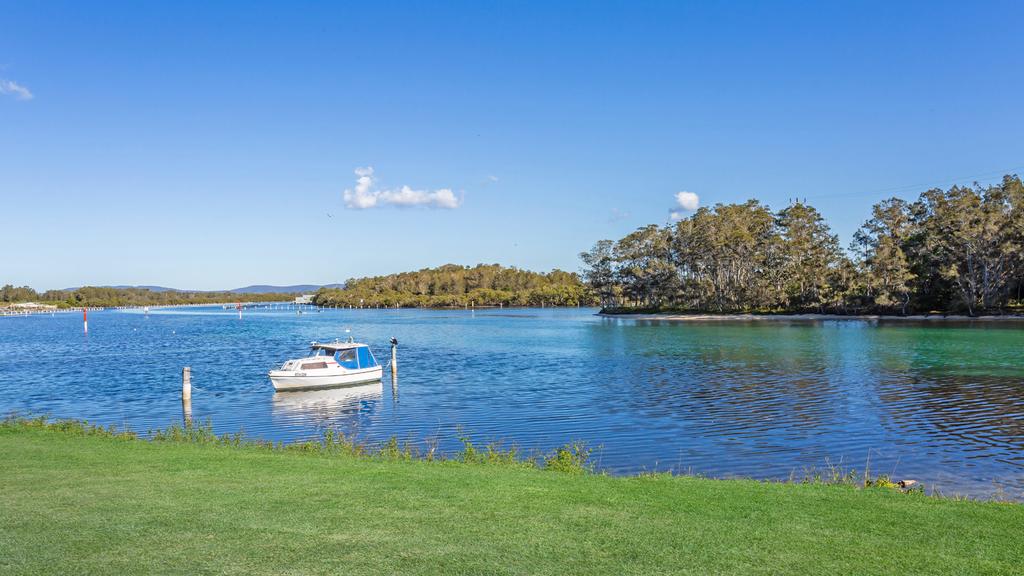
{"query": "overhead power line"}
(945, 183)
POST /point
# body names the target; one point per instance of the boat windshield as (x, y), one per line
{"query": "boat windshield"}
(354, 358)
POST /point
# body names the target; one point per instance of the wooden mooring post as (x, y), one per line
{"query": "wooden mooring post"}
(186, 394)
(394, 369)
(186, 383)
(394, 359)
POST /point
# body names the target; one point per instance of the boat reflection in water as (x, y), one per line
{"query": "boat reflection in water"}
(329, 407)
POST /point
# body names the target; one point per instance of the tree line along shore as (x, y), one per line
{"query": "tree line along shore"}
(107, 297)
(955, 251)
(453, 285)
(83, 500)
(445, 286)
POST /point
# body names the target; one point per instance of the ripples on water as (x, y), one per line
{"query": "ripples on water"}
(943, 404)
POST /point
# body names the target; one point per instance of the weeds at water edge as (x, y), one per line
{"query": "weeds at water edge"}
(572, 458)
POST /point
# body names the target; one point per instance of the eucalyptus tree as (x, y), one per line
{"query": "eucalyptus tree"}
(810, 254)
(881, 243)
(753, 253)
(723, 256)
(10, 293)
(1013, 192)
(599, 271)
(964, 244)
(645, 267)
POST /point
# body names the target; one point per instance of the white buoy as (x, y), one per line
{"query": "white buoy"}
(85, 319)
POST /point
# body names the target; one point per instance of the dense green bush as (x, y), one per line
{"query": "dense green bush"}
(453, 286)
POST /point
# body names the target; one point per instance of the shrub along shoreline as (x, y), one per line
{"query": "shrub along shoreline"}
(783, 316)
(80, 499)
(958, 251)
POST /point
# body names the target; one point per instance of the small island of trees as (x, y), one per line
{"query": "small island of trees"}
(452, 285)
(951, 251)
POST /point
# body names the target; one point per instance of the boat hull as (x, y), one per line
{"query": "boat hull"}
(325, 401)
(287, 380)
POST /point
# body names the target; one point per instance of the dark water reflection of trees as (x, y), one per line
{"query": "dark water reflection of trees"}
(830, 385)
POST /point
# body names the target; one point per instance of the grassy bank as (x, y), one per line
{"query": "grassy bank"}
(76, 503)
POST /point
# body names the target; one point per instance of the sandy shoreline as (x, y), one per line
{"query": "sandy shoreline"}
(809, 317)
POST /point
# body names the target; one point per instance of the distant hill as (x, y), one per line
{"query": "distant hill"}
(254, 289)
(264, 288)
(150, 288)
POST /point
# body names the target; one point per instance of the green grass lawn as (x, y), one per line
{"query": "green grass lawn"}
(73, 504)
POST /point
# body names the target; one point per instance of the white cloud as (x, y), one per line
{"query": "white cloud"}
(364, 195)
(14, 89)
(405, 196)
(687, 201)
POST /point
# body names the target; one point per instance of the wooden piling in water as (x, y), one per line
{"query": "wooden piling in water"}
(186, 384)
(394, 359)
(186, 396)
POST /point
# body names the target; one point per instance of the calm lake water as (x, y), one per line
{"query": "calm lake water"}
(939, 403)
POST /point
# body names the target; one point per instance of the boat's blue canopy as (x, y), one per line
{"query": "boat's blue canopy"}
(355, 357)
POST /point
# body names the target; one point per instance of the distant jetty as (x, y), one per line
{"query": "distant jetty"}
(30, 308)
(27, 308)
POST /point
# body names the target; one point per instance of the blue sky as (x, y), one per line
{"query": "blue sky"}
(210, 145)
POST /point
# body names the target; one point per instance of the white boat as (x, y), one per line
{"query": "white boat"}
(328, 365)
